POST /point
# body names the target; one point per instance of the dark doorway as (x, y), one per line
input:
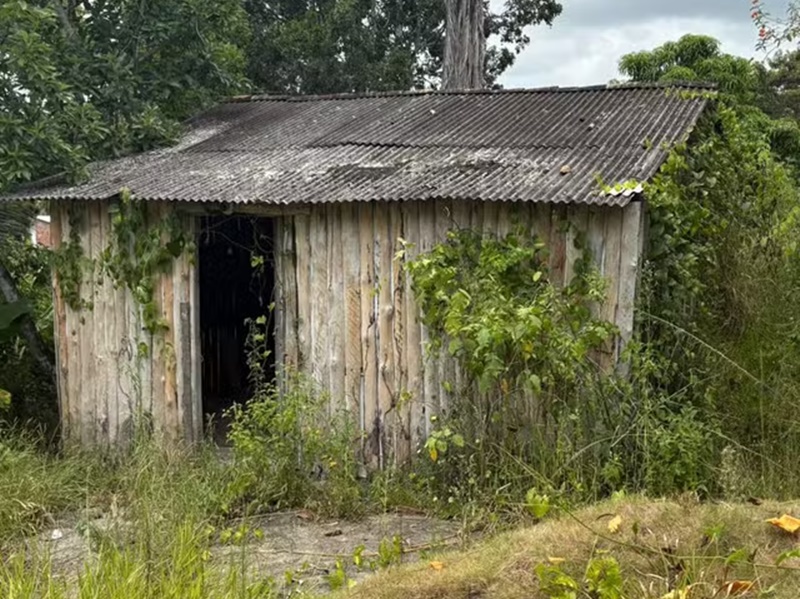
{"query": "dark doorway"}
(237, 281)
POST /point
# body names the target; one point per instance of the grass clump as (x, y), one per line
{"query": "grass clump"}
(659, 547)
(37, 486)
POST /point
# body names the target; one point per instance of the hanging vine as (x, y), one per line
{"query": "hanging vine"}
(141, 249)
(70, 262)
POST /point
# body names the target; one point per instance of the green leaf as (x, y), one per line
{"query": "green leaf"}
(538, 505)
(787, 555)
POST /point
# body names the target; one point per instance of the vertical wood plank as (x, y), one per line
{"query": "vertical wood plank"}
(86, 386)
(386, 365)
(104, 318)
(541, 223)
(57, 225)
(504, 220)
(629, 272)
(159, 353)
(476, 217)
(430, 374)
(114, 338)
(610, 272)
(576, 237)
(351, 266)
(320, 316)
(413, 353)
(302, 232)
(170, 397)
(446, 368)
(288, 283)
(489, 221)
(181, 310)
(183, 337)
(400, 408)
(558, 244)
(369, 356)
(278, 259)
(462, 214)
(195, 334)
(336, 318)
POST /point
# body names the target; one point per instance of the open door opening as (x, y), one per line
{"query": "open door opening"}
(237, 283)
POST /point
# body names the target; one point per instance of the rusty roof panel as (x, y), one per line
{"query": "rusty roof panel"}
(547, 145)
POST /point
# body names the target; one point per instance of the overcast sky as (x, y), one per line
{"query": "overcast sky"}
(586, 42)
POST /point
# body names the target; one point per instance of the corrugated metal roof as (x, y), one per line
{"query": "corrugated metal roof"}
(546, 145)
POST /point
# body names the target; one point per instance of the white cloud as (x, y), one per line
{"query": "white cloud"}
(583, 55)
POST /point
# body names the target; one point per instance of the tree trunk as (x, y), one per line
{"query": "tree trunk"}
(28, 328)
(464, 45)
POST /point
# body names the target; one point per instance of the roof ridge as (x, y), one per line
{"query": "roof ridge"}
(612, 86)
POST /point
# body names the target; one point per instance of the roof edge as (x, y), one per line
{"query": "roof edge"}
(624, 85)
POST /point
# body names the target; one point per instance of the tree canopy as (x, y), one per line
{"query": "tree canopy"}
(766, 94)
(323, 46)
(95, 79)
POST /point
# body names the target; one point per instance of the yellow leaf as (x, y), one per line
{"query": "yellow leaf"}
(737, 587)
(556, 560)
(437, 566)
(614, 524)
(434, 453)
(684, 593)
(786, 523)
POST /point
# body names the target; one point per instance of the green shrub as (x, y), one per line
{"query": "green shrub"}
(291, 451)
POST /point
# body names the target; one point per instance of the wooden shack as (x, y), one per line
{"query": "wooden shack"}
(331, 186)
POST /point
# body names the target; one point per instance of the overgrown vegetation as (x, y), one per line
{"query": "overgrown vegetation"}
(708, 405)
(290, 451)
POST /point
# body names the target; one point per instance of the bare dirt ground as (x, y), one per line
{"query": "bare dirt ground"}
(292, 542)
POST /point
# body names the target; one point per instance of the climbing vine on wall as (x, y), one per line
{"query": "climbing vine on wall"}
(506, 323)
(143, 245)
(70, 263)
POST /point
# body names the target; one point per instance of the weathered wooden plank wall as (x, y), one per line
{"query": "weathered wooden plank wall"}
(111, 370)
(346, 315)
(352, 323)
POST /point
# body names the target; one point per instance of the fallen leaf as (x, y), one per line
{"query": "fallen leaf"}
(556, 560)
(786, 523)
(737, 587)
(614, 524)
(684, 593)
(437, 566)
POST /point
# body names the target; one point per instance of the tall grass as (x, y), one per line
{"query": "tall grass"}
(161, 516)
(37, 486)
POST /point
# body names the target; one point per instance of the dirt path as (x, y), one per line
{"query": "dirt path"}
(290, 542)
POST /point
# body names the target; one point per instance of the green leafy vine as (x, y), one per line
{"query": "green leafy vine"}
(505, 322)
(141, 248)
(69, 262)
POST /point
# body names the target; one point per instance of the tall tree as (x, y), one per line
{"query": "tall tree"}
(464, 45)
(326, 46)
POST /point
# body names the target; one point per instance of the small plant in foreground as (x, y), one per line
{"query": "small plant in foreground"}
(289, 451)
